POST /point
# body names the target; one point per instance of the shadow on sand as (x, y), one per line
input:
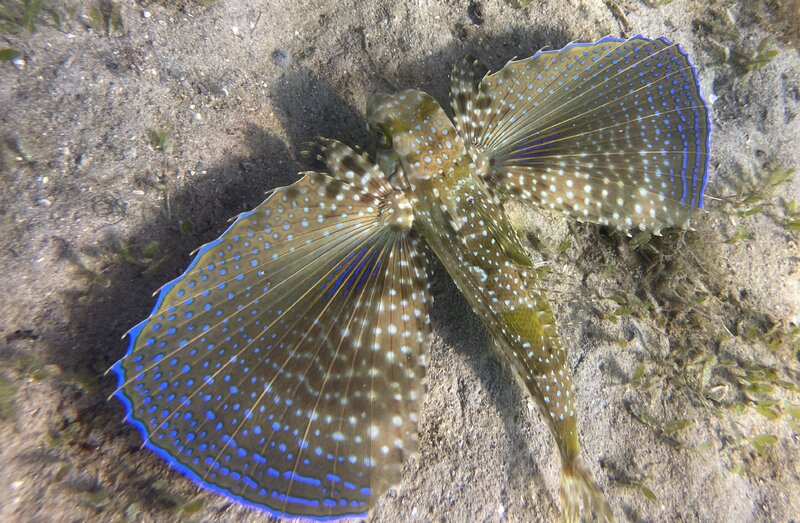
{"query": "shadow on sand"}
(93, 344)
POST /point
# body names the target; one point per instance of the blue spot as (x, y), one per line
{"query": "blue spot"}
(250, 483)
(333, 478)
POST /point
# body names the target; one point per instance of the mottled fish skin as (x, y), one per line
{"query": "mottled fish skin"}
(286, 367)
(457, 215)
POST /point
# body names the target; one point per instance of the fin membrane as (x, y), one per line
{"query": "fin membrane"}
(286, 366)
(614, 132)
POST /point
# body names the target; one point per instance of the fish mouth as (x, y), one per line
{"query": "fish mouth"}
(376, 105)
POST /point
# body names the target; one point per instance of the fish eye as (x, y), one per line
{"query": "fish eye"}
(383, 138)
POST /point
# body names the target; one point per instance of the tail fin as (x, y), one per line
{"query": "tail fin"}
(581, 498)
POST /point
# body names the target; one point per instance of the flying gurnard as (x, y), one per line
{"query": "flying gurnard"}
(286, 367)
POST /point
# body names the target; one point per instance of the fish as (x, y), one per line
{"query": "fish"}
(285, 368)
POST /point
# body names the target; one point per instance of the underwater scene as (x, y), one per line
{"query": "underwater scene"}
(484, 260)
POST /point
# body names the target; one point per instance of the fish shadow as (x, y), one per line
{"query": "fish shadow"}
(90, 343)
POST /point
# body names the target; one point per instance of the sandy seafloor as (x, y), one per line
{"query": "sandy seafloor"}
(93, 218)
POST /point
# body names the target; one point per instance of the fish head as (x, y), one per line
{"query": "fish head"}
(414, 135)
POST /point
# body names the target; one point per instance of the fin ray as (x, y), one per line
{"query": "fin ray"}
(614, 132)
(276, 370)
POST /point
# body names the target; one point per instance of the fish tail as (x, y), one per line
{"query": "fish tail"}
(545, 373)
(581, 498)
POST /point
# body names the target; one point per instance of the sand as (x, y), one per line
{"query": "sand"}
(95, 216)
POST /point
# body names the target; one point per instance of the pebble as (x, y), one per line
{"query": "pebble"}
(281, 57)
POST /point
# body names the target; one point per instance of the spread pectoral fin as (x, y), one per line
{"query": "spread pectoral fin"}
(285, 368)
(614, 132)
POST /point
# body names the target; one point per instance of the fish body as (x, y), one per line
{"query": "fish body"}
(463, 222)
(286, 366)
